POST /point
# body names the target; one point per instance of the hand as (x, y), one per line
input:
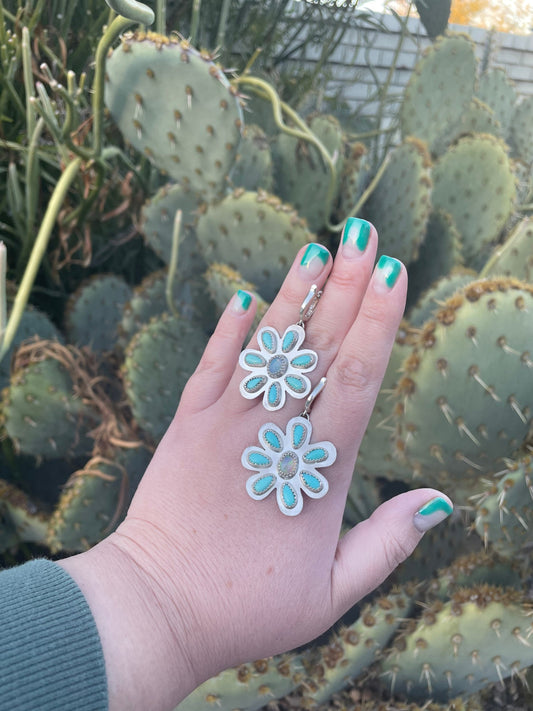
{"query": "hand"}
(199, 576)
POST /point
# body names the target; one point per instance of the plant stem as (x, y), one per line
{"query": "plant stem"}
(173, 266)
(161, 17)
(222, 24)
(195, 20)
(38, 251)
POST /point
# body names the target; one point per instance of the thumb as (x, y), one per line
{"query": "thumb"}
(370, 551)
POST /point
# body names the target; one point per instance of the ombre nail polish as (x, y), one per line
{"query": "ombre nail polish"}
(355, 237)
(432, 513)
(314, 260)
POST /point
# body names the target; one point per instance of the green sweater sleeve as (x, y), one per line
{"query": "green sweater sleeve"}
(50, 653)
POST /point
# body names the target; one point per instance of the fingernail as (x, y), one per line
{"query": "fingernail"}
(355, 237)
(314, 260)
(387, 272)
(432, 513)
(241, 302)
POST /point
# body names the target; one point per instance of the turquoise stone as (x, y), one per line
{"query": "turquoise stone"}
(277, 366)
(288, 465)
(303, 361)
(263, 484)
(255, 383)
(315, 455)
(295, 383)
(288, 496)
(254, 360)
(268, 341)
(289, 341)
(272, 439)
(298, 435)
(257, 459)
(274, 394)
(311, 481)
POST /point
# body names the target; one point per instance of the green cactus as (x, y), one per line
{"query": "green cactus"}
(432, 299)
(477, 118)
(149, 299)
(464, 402)
(223, 282)
(522, 130)
(504, 512)
(474, 183)
(300, 171)
(480, 636)
(157, 225)
(248, 687)
(33, 325)
(95, 500)
(94, 311)
(255, 234)
(191, 132)
(400, 205)
(158, 362)
(353, 649)
(440, 89)
(23, 519)
(497, 91)
(42, 411)
(352, 181)
(253, 169)
(439, 254)
(515, 256)
(472, 569)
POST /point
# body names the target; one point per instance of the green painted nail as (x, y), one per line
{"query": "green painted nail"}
(390, 269)
(432, 513)
(242, 300)
(313, 254)
(356, 234)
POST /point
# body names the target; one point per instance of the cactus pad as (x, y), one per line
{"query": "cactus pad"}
(223, 282)
(255, 234)
(515, 256)
(498, 92)
(253, 165)
(95, 500)
(466, 398)
(94, 312)
(157, 225)
(24, 518)
(191, 131)
(159, 360)
(400, 206)
(479, 636)
(474, 183)
(440, 89)
(522, 130)
(432, 299)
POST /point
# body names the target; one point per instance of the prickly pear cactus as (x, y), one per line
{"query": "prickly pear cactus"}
(479, 636)
(157, 226)
(504, 512)
(250, 686)
(23, 519)
(353, 649)
(95, 500)
(192, 131)
(352, 182)
(440, 89)
(432, 299)
(255, 234)
(477, 118)
(42, 411)
(223, 282)
(465, 400)
(522, 130)
(474, 183)
(159, 360)
(94, 311)
(400, 205)
(515, 256)
(301, 172)
(33, 325)
(439, 254)
(253, 169)
(497, 91)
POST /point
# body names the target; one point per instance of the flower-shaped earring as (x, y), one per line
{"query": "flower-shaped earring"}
(279, 366)
(288, 461)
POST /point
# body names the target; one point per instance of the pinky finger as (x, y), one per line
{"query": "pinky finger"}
(221, 354)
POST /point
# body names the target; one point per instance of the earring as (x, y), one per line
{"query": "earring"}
(279, 366)
(288, 461)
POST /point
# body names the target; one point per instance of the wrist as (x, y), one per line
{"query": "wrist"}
(145, 646)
